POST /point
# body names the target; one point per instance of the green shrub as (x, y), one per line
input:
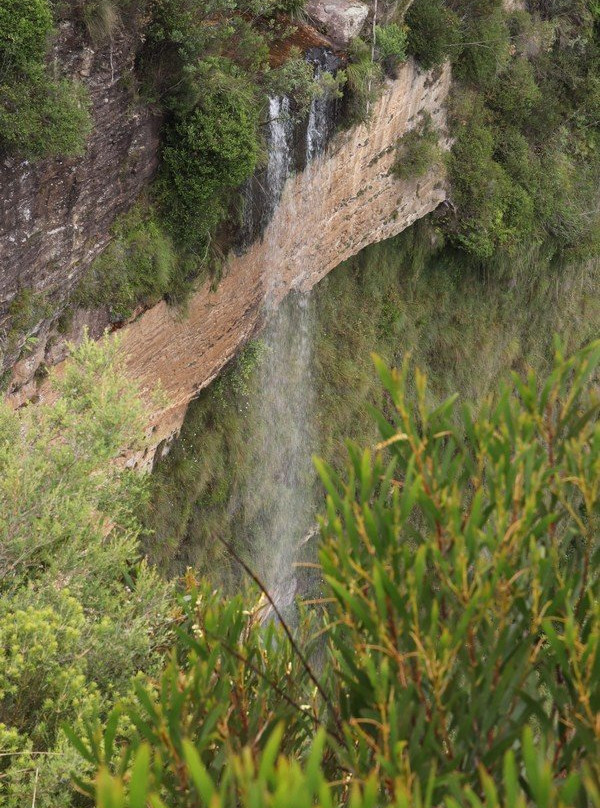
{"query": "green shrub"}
(25, 26)
(183, 51)
(295, 77)
(41, 117)
(390, 44)
(539, 178)
(138, 267)
(208, 67)
(493, 211)
(207, 154)
(485, 50)
(40, 667)
(25, 310)
(432, 31)
(515, 94)
(291, 7)
(80, 615)
(486, 503)
(101, 17)
(461, 644)
(364, 78)
(417, 151)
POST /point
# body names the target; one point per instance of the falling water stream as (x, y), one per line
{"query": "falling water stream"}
(281, 496)
(279, 500)
(319, 123)
(293, 141)
(280, 162)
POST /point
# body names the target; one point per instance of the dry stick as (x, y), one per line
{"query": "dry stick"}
(286, 628)
(37, 774)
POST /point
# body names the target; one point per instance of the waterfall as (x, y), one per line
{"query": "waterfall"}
(278, 500)
(280, 163)
(319, 117)
(323, 108)
(262, 192)
(292, 141)
(280, 497)
(275, 507)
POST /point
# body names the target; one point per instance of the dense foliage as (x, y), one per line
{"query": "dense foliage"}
(459, 658)
(433, 31)
(149, 266)
(364, 80)
(484, 528)
(206, 155)
(207, 64)
(417, 151)
(390, 44)
(80, 614)
(524, 168)
(25, 26)
(40, 115)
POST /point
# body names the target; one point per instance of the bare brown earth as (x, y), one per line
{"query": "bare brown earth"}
(345, 200)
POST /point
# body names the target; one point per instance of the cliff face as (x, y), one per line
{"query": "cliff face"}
(345, 199)
(56, 214)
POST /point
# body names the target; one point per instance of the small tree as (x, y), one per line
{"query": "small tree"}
(80, 614)
(207, 154)
(418, 151)
(433, 30)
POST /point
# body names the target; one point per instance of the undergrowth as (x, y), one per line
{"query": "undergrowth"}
(41, 114)
(139, 267)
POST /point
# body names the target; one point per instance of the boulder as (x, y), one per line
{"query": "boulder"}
(341, 20)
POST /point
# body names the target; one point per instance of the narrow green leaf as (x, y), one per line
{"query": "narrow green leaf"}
(200, 777)
(140, 776)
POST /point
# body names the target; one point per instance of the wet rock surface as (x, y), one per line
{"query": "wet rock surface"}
(293, 140)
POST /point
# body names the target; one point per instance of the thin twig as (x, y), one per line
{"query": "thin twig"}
(285, 627)
(37, 774)
(245, 661)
